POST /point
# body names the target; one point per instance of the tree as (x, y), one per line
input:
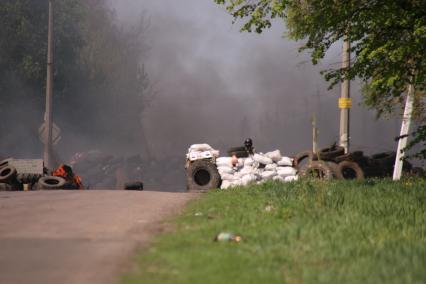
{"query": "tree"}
(388, 42)
(100, 85)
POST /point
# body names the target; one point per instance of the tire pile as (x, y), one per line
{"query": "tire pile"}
(9, 177)
(12, 180)
(332, 162)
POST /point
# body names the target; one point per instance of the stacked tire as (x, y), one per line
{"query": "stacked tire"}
(8, 177)
(11, 180)
(330, 163)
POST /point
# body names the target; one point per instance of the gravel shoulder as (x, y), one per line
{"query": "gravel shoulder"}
(78, 236)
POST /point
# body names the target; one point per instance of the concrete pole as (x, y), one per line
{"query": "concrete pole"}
(314, 134)
(48, 118)
(344, 99)
(405, 128)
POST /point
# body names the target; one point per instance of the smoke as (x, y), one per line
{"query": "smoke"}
(218, 85)
(215, 85)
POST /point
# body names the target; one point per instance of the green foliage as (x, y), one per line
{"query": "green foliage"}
(388, 40)
(306, 232)
(419, 140)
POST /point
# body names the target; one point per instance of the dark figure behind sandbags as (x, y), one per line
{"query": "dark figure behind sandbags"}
(243, 151)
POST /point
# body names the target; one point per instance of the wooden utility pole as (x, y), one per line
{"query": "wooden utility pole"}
(48, 118)
(405, 128)
(345, 102)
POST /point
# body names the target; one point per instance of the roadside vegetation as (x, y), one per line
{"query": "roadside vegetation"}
(370, 231)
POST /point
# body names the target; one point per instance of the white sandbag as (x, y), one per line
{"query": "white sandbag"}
(226, 184)
(215, 153)
(227, 177)
(278, 178)
(271, 167)
(200, 148)
(267, 175)
(237, 182)
(238, 175)
(197, 155)
(274, 155)
(247, 179)
(291, 178)
(225, 170)
(258, 176)
(248, 162)
(286, 171)
(223, 161)
(285, 162)
(262, 159)
(247, 170)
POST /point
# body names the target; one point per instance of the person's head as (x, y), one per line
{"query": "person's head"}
(248, 143)
(234, 159)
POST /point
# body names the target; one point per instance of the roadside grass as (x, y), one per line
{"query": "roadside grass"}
(372, 231)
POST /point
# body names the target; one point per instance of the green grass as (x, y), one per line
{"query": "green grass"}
(317, 232)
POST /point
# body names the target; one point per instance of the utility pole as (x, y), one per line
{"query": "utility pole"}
(345, 102)
(314, 134)
(405, 128)
(48, 118)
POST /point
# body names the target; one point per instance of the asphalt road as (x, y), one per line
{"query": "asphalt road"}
(78, 236)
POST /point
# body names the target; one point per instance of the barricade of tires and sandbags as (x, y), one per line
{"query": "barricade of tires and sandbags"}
(333, 163)
(206, 170)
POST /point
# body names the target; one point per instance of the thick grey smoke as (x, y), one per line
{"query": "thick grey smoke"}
(218, 85)
(214, 85)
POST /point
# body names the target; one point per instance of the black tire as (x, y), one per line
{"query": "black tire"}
(350, 170)
(334, 169)
(240, 152)
(353, 157)
(137, 185)
(51, 182)
(317, 169)
(4, 163)
(7, 174)
(302, 156)
(331, 152)
(385, 159)
(202, 175)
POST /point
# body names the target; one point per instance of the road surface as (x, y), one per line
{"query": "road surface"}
(79, 237)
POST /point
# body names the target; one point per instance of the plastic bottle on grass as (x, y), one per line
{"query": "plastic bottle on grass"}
(227, 237)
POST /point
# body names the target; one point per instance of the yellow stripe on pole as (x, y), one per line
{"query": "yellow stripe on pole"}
(345, 103)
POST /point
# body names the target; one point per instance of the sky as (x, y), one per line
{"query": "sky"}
(217, 85)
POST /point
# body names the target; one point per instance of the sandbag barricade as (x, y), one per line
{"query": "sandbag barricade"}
(256, 169)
